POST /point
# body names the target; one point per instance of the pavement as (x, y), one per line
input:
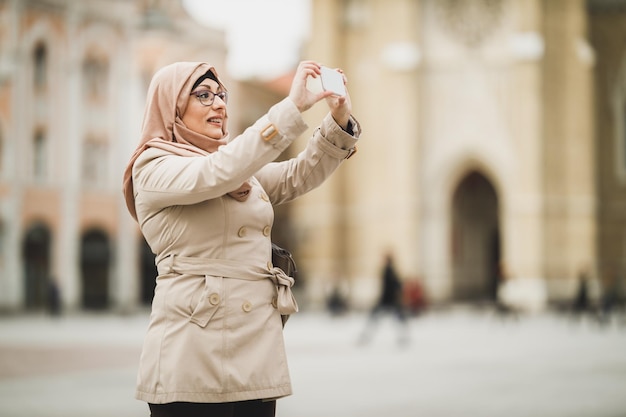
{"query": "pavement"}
(458, 362)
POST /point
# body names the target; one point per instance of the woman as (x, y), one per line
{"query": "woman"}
(204, 202)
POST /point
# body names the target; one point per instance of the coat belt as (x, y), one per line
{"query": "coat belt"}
(285, 302)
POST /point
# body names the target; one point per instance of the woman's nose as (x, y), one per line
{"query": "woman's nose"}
(218, 102)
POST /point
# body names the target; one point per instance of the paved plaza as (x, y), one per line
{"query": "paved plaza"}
(459, 362)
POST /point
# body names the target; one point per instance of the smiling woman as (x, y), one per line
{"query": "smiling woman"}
(204, 202)
(207, 114)
(257, 49)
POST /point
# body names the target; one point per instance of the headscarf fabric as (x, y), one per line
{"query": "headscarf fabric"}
(163, 128)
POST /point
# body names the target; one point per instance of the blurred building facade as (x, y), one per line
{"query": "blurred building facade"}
(494, 147)
(494, 140)
(73, 80)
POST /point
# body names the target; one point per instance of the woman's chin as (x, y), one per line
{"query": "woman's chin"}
(214, 133)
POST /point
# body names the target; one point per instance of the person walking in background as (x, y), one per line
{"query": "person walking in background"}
(390, 301)
(54, 297)
(204, 202)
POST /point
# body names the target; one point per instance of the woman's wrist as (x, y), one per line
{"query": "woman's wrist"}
(349, 129)
(343, 122)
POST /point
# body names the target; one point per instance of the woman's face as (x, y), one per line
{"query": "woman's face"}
(207, 120)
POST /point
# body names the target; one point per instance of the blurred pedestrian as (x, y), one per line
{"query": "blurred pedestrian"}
(611, 304)
(581, 302)
(505, 305)
(390, 301)
(54, 297)
(336, 302)
(414, 296)
(204, 203)
(586, 305)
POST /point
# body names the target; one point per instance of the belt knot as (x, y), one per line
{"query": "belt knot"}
(286, 302)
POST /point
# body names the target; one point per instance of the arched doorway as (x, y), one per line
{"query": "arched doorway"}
(475, 239)
(36, 258)
(148, 272)
(95, 256)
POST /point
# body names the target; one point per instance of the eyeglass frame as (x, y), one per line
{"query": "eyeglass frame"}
(223, 95)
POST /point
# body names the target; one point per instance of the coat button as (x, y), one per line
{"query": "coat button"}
(247, 306)
(214, 298)
(242, 231)
(275, 302)
(267, 230)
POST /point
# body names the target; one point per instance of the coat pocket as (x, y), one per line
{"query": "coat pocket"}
(204, 306)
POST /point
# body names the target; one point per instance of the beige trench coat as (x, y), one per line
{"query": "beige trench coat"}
(215, 333)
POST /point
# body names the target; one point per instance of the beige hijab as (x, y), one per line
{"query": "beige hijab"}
(163, 127)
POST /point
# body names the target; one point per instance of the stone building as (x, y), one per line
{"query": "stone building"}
(494, 148)
(73, 80)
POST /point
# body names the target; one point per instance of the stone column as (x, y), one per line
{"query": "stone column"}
(129, 101)
(67, 272)
(11, 285)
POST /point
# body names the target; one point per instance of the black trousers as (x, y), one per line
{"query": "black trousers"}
(253, 408)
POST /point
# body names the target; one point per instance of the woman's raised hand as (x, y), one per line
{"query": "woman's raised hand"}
(299, 94)
(340, 106)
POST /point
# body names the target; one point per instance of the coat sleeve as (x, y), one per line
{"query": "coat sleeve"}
(161, 179)
(326, 150)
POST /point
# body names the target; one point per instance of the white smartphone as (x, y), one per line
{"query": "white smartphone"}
(332, 80)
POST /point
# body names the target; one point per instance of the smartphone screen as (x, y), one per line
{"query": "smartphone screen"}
(333, 81)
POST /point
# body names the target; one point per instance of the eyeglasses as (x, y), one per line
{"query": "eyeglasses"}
(207, 97)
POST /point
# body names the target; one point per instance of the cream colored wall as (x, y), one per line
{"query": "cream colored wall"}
(349, 222)
(72, 29)
(509, 95)
(569, 159)
(436, 104)
(608, 29)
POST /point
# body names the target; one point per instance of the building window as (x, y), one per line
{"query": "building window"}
(40, 58)
(1, 151)
(356, 14)
(623, 137)
(95, 263)
(95, 157)
(95, 78)
(40, 156)
(3, 237)
(619, 142)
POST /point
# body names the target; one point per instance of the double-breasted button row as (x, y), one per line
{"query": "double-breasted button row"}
(243, 231)
(214, 298)
(247, 305)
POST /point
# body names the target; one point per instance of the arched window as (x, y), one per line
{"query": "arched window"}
(95, 78)
(623, 135)
(95, 157)
(40, 156)
(475, 238)
(95, 260)
(3, 234)
(40, 61)
(36, 250)
(1, 151)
